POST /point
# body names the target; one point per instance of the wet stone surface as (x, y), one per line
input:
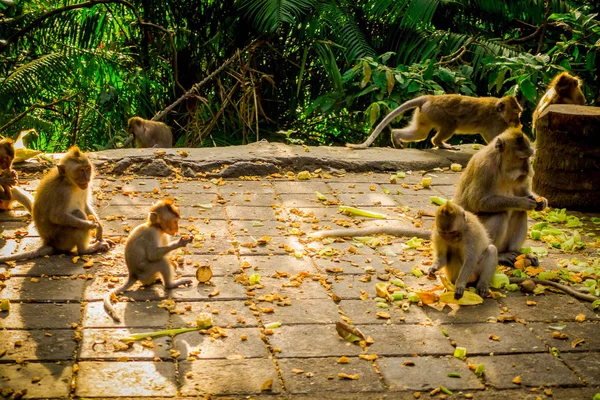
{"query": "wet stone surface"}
(275, 337)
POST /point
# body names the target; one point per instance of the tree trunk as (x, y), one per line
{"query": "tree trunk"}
(567, 157)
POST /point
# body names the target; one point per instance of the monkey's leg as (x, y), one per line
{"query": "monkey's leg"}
(22, 197)
(516, 234)
(487, 268)
(444, 133)
(496, 225)
(416, 131)
(165, 268)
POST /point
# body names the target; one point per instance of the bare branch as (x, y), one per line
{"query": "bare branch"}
(32, 107)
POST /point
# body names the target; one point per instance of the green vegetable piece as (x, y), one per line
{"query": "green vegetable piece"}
(535, 235)
(445, 332)
(460, 352)
(413, 297)
(555, 352)
(401, 175)
(596, 396)
(382, 305)
(397, 296)
(445, 390)
(539, 226)
(413, 243)
(273, 325)
(398, 282)
(596, 305)
(479, 371)
(438, 200)
(254, 279)
(417, 272)
(406, 306)
(453, 375)
(513, 287)
(500, 280)
(321, 197)
(361, 213)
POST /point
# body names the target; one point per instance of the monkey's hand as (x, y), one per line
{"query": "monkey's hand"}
(528, 203)
(8, 178)
(482, 289)
(541, 202)
(433, 269)
(458, 294)
(184, 240)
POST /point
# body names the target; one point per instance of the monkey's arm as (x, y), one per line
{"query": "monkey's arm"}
(466, 270)
(99, 229)
(61, 217)
(497, 203)
(441, 255)
(128, 141)
(157, 253)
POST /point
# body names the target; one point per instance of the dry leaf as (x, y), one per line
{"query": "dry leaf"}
(368, 357)
(494, 337)
(267, 386)
(577, 342)
(580, 318)
(342, 375)
(343, 360)
(517, 380)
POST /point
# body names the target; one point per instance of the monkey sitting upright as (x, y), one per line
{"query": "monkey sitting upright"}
(147, 248)
(449, 113)
(462, 245)
(148, 133)
(8, 179)
(496, 186)
(563, 89)
(62, 212)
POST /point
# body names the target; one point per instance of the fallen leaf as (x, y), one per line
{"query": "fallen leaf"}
(342, 375)
(517, 380)
(580, 318)
(267, 386)
(343, 360)
(577, 342)
(349, 333)
(494, 337)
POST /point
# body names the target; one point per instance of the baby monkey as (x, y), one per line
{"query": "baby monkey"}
(563, 89)
(9, 192)
(147, 249)
(148, 133)
(462, 245)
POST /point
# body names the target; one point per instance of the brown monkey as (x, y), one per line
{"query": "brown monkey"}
(496, 186)
(563, 89)
(8, 179)
(147, 248)
(148, 133)
(462, 245)
(450, 113)
(62, 212)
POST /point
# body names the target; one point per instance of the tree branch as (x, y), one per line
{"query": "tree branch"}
(544, 27)
(539, 31)
(450, 58)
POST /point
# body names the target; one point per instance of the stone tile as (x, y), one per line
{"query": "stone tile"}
(193, 212)
(322, 368)
(490, 309)
(296, 187)
(513, 338)
(356, 187)
(534, 369)
(112, 379)
(355, 264)
(406, 340)
(308, 289)
(54, 383)
(98, 288)
(47, 345)
(227, 287)
(213, 246)
(133, 314)
(586, 365)
(98, 344)
(277, 245)
(304, 311)
(365, 312)
(550, 307)
(365, 200)
(322, 213)
(231, 347)
(254, 212)
(60, 265)
(258, 187)
(313, 340)
(420, 200)
(257, 228)
(575, 330)
(530, 394)
(225, 377)
(427, 373)
(267, 265)
(230, 313)
(303, 199)
(62, 289)
(219, 264)
(40, 316)
(251, 199)
(197, 186)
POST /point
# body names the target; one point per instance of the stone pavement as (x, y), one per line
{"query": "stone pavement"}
(57, 342)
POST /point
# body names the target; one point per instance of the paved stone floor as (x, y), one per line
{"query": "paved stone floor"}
(57, 342)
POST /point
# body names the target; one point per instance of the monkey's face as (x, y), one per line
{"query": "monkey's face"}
(451, 237)
(170, 225)
(80, 174)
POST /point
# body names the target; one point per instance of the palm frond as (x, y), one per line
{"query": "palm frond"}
(28, 78)
(270, 15)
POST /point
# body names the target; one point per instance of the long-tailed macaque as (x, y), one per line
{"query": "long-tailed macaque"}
(496, 186)
(462, 245)
(62, 212)
(147, 248)
(450, 113)
(563, 89)
(148, 133)
(9, 192)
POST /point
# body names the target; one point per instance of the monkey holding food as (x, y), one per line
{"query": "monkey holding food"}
(147, 248)
(9, 192)
(148, 133)
(450, 113)
(563, 89)
(62, 212)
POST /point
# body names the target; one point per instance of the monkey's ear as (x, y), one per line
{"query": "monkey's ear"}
(62, 170)
(500, 145)
(500, 106)
(153, 217)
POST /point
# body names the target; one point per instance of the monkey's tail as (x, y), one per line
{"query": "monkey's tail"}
(375, 230)
(564, 288)
(41, 252)
(110, 310)
(414, 103)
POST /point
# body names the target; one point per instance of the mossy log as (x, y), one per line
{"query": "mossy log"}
(567, 157)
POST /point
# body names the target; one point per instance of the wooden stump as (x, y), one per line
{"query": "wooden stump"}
(567, 158)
